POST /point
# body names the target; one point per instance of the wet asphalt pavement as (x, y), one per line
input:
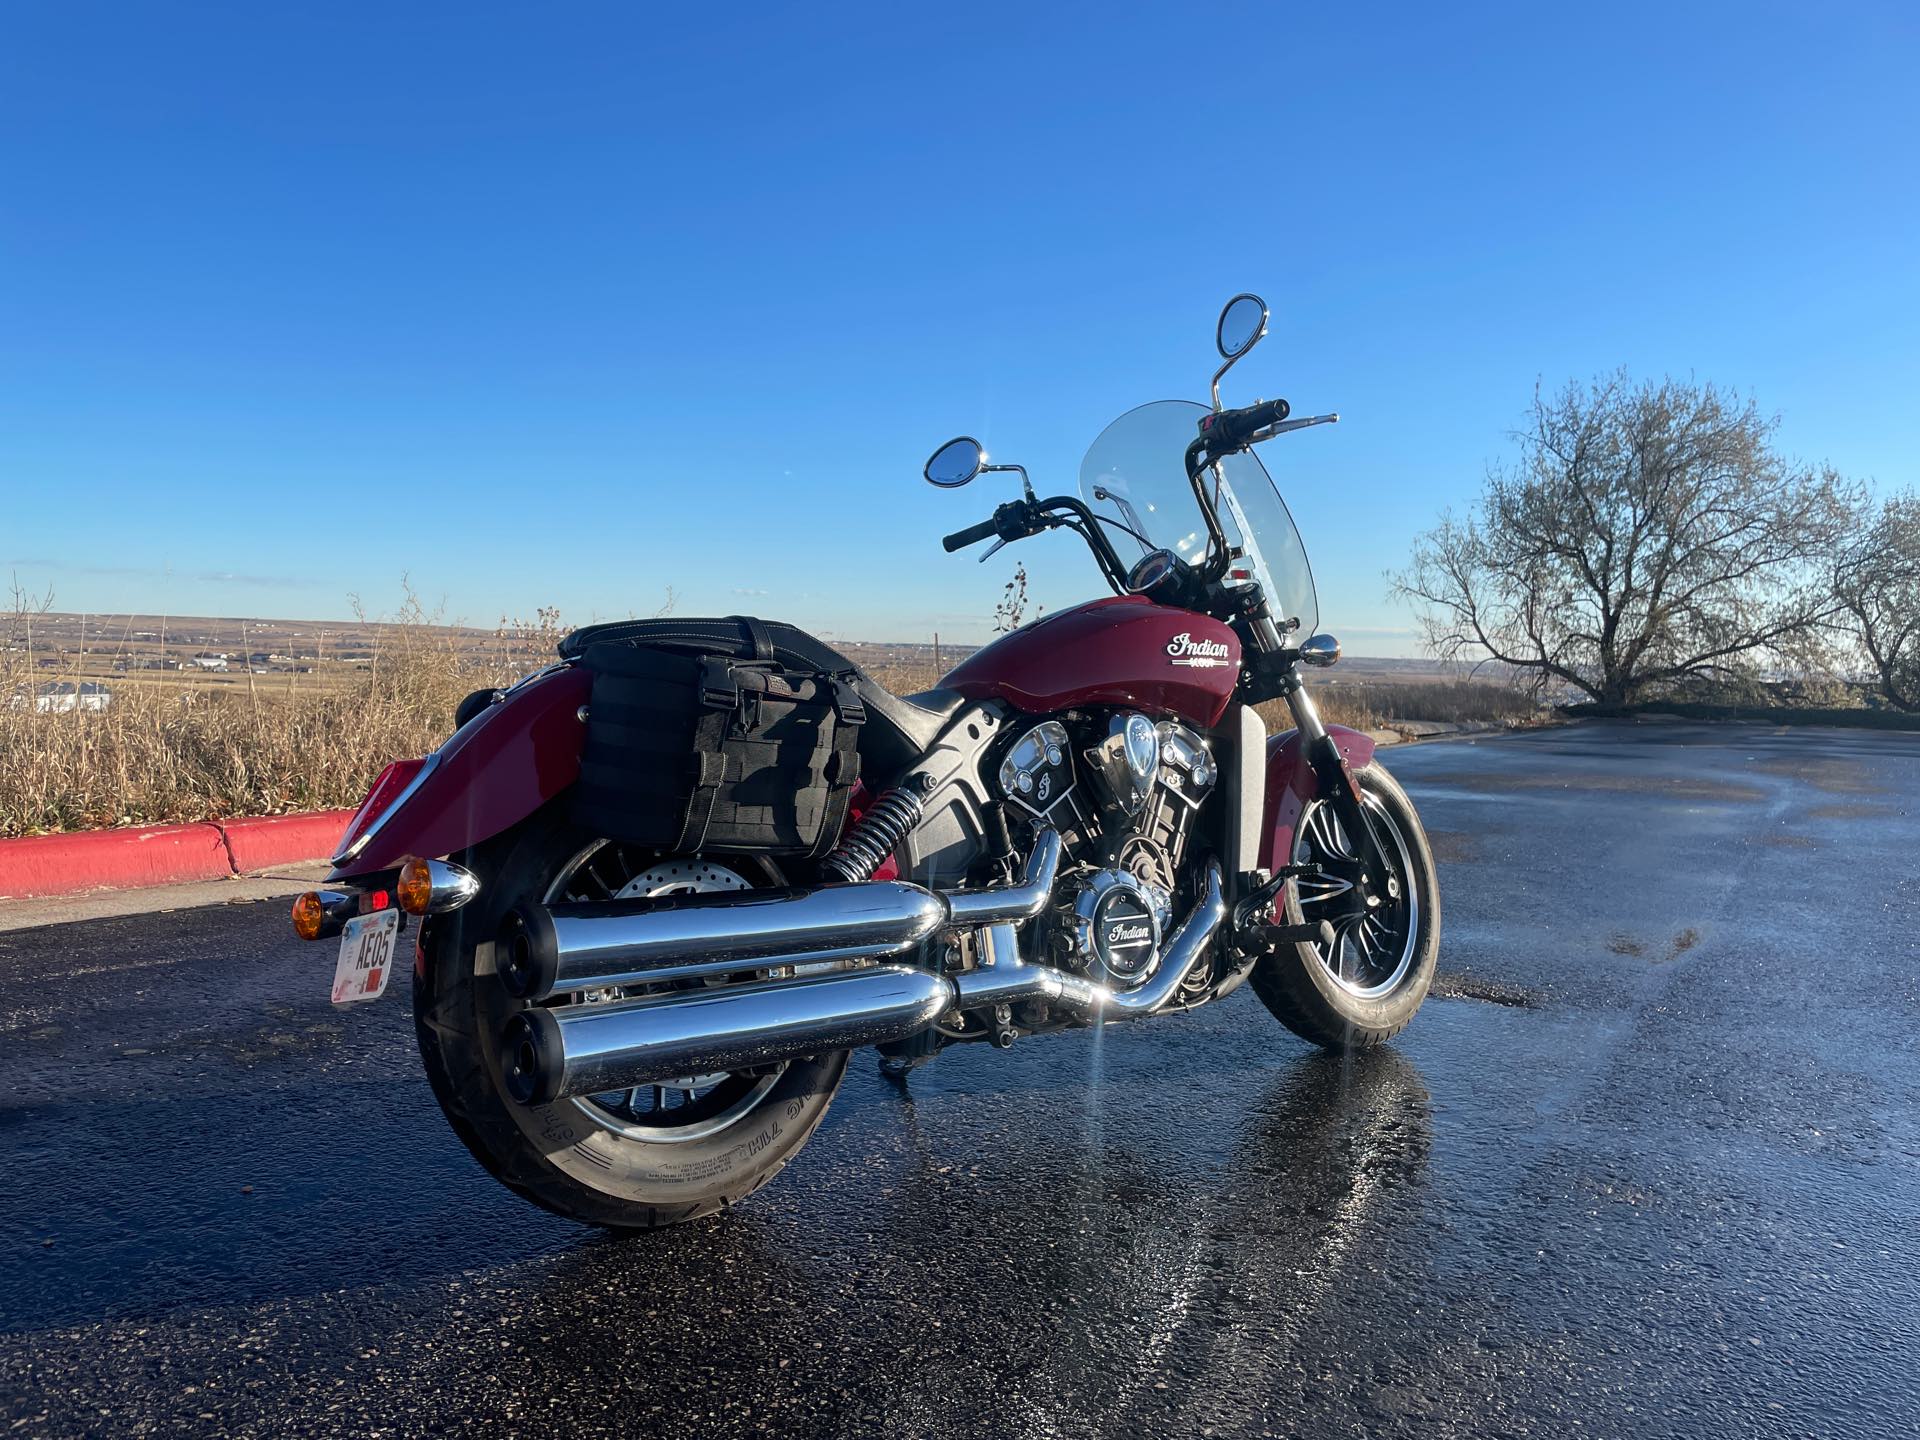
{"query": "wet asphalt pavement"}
(1648, 1164)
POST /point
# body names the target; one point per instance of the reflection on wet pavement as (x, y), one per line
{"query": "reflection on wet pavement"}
(1665, 1183)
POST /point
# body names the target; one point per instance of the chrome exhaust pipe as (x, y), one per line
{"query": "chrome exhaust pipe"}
(1009, 978)
(547, 1055)
(589, 1049)
(545, 950)
(1184, 952)
(1010, 904)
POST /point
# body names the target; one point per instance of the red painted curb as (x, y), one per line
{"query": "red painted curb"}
(284, 839)
(121, 859)
(32, 866)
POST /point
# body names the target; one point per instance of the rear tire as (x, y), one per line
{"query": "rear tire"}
(1361, 1007)
(566, 1156)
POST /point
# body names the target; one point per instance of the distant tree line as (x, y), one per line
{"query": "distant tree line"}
(1649, 539)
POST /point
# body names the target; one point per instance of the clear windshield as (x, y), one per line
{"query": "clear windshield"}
(1135, 476)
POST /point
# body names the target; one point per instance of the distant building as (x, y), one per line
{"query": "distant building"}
(57, 697)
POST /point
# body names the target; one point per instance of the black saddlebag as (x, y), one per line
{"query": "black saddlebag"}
(716, 735)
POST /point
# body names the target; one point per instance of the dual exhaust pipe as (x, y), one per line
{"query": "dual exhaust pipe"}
(550, 1053)
(547, 950)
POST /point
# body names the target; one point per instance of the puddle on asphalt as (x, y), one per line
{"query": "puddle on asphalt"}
(1836, 777)
(1691, 787)
(1632, 946)
(1850, 811)
(1449, 986)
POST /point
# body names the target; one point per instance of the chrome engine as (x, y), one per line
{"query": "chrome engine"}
(1102, 919)
(1127, 831)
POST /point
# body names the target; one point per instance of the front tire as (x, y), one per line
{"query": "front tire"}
(1364, 989)
(627, 1170)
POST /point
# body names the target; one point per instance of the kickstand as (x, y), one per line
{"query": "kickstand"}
(897, 1067)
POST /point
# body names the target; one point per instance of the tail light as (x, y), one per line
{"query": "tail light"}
(389, 787)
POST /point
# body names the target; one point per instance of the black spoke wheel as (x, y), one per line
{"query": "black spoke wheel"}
(684, 1107)
(1374, 945)
(635, 1158)
(1366, 986)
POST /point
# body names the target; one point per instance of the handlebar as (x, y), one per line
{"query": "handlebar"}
(1232, 430)
(972, 535)
(1017, 519)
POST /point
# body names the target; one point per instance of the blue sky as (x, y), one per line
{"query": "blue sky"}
(571, 304)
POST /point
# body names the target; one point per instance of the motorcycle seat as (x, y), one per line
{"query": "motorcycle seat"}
(915, 720)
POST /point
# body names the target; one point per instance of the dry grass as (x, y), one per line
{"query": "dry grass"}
(1375, 705)
(266, 745)
(263, 747)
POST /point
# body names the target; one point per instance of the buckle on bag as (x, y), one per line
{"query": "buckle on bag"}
(719, 690)
(846, 703)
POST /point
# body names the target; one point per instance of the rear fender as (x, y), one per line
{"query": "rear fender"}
(1291, 783)
(497, 769)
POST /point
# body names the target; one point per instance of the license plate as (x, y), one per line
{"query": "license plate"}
(366, 957)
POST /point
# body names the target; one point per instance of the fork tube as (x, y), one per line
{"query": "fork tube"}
(1306, 715)
(1338, 787)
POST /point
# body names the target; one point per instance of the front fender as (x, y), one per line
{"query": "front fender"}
(497, 769)
(1291, 783)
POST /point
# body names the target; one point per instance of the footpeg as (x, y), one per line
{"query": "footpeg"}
(1260, 901)
(1314, 932)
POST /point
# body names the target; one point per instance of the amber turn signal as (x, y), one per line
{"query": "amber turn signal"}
(309, 916)
(413, 891)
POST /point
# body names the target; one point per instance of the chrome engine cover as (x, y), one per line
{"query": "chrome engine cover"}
(1038, 771)
(1118, 922)
(1128, 760)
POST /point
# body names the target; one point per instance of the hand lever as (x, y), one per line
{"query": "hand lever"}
(1285, 425)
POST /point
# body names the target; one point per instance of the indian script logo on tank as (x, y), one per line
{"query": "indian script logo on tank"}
(1196, 654)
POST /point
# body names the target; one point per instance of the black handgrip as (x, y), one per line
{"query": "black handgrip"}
(972, 535)
(1231, 429)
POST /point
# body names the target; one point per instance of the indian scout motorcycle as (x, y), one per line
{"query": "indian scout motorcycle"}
(666, 885)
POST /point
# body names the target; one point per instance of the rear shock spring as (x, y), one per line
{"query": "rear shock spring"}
(865, 848)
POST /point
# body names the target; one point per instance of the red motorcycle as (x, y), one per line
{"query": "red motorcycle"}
(664, 887)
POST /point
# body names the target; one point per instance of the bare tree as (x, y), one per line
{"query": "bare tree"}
(1877, 581)
(1646, 534)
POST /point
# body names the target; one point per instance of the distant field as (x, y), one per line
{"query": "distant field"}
(310, 728)
(264, 658)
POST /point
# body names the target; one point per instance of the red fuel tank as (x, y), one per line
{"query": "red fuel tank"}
(1124, 650)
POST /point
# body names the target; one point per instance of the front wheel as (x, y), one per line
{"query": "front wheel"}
(1365, 987)
(634, 1159)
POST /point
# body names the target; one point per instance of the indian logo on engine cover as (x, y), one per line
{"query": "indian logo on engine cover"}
(1197, 654)
(1123, 933)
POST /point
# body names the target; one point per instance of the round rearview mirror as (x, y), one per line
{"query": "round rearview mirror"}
(1319, 650)
(1241, 323)
(955, 463)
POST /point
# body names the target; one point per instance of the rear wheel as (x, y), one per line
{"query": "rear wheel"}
(1366, 986)
(638, 1158)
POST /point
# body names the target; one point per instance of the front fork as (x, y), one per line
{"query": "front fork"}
(1376, 882)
